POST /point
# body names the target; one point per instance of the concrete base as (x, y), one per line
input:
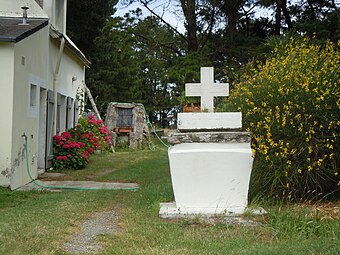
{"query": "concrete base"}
(211, 178)
(41, 171)
(170, 211)
(209, 121)
(80, 184)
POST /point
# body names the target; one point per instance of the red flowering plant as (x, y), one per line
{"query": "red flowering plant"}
(72, 149)
(68, 152)
(94, 133)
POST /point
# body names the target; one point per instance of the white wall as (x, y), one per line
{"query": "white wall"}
(25, 67)
(6, 106)
(48, 5)
(70, 67)
(32, 71)
(59, 15)
(10, 8)
(40, 68)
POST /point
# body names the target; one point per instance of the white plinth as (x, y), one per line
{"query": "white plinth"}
(170, 211)
(211, 178)
(209, 121)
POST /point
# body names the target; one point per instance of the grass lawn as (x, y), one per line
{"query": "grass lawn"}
(38, 222)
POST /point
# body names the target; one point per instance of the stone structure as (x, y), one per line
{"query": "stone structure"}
(210, 158)
(128, 123)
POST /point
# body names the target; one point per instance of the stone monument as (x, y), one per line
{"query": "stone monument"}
(127, 122)
(210, 157)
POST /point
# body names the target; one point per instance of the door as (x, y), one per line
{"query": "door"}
(42, 129)
(49, 129)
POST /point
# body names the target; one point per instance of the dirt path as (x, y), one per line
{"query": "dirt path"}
(85, 241)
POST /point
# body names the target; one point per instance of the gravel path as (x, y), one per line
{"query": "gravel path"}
(85, 241)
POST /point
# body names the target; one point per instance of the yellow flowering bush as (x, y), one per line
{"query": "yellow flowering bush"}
(291, 104)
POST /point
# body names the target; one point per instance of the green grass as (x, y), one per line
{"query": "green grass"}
(38, 222)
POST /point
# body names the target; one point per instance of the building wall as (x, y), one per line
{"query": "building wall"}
(47, 7)
(34, 62)
(27, 71)
(59, 15)
(69, 80)
(30, 76)
(70, 67)
(10, 8)
(40, 2)
(6, 106)
(56, 11)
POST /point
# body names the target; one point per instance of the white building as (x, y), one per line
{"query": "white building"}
(41, 71)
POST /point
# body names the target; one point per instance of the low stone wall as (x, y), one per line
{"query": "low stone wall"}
(208, 137)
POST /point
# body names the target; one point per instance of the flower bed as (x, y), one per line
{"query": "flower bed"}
(72, 149)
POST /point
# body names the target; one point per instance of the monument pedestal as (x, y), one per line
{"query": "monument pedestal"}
(210, 164)
(210, 173)
(210, 178)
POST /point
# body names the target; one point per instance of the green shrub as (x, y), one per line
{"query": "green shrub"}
(72, 149)
(291, 105)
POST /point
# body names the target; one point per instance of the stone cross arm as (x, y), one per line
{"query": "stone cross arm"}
(207, 89)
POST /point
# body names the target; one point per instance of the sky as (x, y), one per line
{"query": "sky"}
(168, 12)
(171, 13)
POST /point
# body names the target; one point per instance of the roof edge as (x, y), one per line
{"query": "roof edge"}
(32, 31)
(26, 33)
(54, 33)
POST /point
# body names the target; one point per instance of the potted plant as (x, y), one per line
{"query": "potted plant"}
(190, 104)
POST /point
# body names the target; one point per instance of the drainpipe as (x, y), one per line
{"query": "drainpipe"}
(55, 74)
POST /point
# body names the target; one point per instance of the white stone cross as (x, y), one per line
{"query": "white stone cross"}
(207, 89)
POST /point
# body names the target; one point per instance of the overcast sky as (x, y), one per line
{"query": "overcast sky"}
(172, 12)
(168, 12)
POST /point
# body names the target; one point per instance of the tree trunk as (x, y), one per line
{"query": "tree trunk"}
(230, 8)
(189, 10)
(286, 14)
(232, 24)
(278, 17)
(312, 10)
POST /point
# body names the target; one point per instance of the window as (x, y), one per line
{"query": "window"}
(69, 115)
(33, 95)
(61, 113)
(124, 117)
(76, 112)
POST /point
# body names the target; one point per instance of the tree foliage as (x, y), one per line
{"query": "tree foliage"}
(131, 63)
(291, 104)
(290, 100)
(145, 59)
(85, 19)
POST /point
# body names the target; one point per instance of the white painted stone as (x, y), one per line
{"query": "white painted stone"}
(207, 89)
(211, 178)
(209, 120)
(210, 171)
(170, 211)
